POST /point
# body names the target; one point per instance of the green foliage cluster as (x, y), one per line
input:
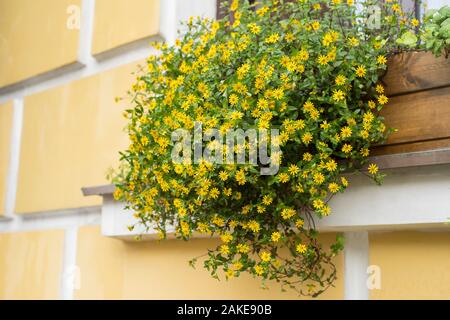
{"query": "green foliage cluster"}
(436, 31)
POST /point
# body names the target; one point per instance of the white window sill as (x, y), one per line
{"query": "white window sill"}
(414, 196)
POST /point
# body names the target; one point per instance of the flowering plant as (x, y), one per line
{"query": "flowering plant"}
(307, 68)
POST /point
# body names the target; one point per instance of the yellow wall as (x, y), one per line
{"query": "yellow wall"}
(122, 21)
(160, 270)
(414, 265)
(30, 264)
(101, 264)
(6, 115)
(34, 38)
(71, 136)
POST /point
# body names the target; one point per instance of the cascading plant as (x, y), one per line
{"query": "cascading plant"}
(310, 69)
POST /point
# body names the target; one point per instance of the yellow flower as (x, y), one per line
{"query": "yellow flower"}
(223, 175)
(365, 152)
(118, 194)
(308, 106)
(234, 5)
(267, 200)
(327, 39)
(396, 7)
(229, 273)
(331, 165)
(293, 169)
(315, 25)
(325, 125)
(373, 168)
(338, 95)
(233, 99)
(265, 256)
(287, 213)
(361, 71)
(289, 37)
(242, 248)
(347, 148)
(318, 178)
(368, 117)
(415, 22)
(326, 210)
(224, 249)
(254, 28)
(340, 80)
(237, 265)
(364, 134)
(214, 193)
(371, 104)
(299, 223)
(322, 60)
(226, 238)
(243, 70)
(262, 11)
(240, 177)
(333, 187)
(318, 204)
(283, 177)
(344, 182)
(275, 236)
(381, 60)
(346, 132)
(382, 99)
(307, 138)
(307, 156)
(253, 226)
(260, 209)
(259, 270)
(353, 41)
(236, 115)
(274, 37)
(379, 88)
(301, 248)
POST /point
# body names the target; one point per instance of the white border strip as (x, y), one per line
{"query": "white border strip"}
(168, 20)
(49, 220)
(70, 272)
(86, 31)
(356, 262)
(14, 157)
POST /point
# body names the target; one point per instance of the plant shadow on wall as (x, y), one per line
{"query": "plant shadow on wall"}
(307, 72)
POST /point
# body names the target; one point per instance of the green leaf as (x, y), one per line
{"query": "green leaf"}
(408, 39)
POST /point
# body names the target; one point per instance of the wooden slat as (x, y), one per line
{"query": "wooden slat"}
(220, 12)
(411, 147)
(419, 116)
(412, 159)
(415, 71)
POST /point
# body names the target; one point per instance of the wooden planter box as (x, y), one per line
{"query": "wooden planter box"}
(418, 85)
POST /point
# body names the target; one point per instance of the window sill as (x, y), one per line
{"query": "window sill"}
(414, 196)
